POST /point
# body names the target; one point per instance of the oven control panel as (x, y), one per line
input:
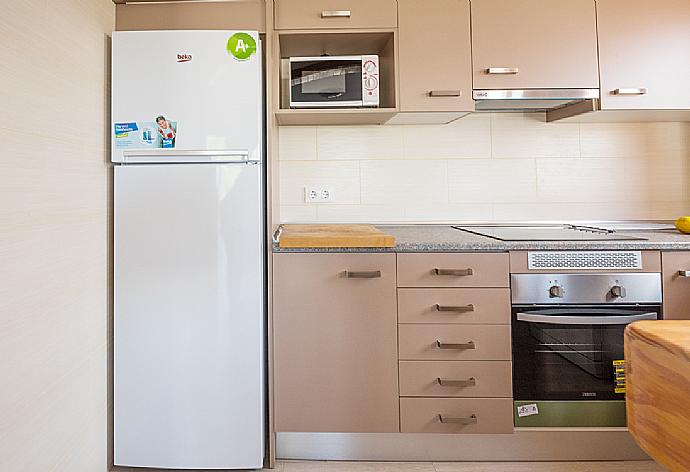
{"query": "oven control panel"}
(586, 288)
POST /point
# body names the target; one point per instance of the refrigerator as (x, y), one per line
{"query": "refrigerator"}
(189, 252)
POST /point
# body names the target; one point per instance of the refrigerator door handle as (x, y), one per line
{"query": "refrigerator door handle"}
(186, 155)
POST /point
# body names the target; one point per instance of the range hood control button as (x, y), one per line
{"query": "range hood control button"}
(556, 291)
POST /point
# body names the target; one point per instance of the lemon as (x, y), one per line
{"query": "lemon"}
(683, 224)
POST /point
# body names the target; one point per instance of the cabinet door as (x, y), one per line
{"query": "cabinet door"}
(644, 53)
(434, 56)
(676, 284)
(335, 343)
(534, 44)
(326, 14)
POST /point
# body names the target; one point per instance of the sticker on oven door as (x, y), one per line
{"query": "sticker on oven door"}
(619, 376)
(527, 410)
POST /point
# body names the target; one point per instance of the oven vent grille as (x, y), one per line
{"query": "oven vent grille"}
(584, 260)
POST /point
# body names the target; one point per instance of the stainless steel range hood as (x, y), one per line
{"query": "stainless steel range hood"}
(536, 99)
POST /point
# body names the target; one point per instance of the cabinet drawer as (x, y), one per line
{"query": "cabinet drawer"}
(453, 270)
(323, 14)
(454, 342)
(676, 285)
(454, 305)
(456, 379)
(460, 415)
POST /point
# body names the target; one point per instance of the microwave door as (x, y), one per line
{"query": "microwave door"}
(326, 83)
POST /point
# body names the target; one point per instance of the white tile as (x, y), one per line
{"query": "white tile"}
(448, 212)
(582, 211)
(298, 213)
(581, 180)
(404, 182)
(342, 177)
(297, 143)
(528, 135)
(657, 180)
(359, 142)
(492, 180)
(467, 137)
(658, 140)
(360, 213)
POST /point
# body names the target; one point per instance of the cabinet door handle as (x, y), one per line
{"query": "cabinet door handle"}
(684, 273)
(445, 93)
(502, 70)
(460, 346)
(471, 382)
(472, 419)
(456, 272)
(629, 91)
(336, 14)
(457, 309)
(367, 274)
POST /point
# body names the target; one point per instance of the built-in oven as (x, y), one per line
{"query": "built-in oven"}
(331, 81)
(567, 335)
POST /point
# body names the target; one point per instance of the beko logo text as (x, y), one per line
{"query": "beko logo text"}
(184, 57)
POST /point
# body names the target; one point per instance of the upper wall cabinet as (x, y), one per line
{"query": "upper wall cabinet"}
(644, 54)
(434, 57)
(326, 14)
(521, 44)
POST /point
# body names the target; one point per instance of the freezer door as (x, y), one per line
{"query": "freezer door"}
(206, 85)
(189, 316)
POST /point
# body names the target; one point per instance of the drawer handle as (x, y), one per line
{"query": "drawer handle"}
(461, 346)
(471, 382)
(502, 70)
(456, 272)
(456, 309)
(472, 419)
(367, 274)
(445, 93)
(629, 91)
(684, 273)
(336, 14)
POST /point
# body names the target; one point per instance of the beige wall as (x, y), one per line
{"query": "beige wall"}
(53, 234)
(487, 167)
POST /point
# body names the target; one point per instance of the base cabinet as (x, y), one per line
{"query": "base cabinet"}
(335, 343)
(675, 270)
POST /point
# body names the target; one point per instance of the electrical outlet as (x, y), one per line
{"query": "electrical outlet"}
(318, 194)
(312, 195)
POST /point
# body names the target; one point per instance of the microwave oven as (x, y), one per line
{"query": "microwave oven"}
(331, 81)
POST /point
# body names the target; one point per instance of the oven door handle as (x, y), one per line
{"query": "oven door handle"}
(585, 320)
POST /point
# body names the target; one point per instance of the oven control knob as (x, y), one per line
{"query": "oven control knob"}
(556, 291)
(617, 291)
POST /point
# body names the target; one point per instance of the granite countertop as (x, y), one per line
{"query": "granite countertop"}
(443, 238)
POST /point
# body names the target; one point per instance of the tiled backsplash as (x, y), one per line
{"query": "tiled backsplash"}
(508, 166)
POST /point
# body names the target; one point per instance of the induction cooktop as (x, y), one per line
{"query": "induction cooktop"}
(547, 233)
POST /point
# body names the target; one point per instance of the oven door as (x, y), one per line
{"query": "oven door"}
(568, 368)
(326, 82)
(571, 352)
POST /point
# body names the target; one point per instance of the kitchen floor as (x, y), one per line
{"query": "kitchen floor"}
(333, 466)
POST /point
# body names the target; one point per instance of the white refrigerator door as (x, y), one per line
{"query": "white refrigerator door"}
(189, 322)
(211, 98)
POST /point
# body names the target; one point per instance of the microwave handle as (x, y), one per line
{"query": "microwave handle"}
(585, 320)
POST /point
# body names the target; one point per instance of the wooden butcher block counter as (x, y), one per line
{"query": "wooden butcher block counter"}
(334, 236)
(657, 357)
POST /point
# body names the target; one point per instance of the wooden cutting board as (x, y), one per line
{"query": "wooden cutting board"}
(657, 359)
(334, 235)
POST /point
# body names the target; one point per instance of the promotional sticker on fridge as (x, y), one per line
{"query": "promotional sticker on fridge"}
(160, 133)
